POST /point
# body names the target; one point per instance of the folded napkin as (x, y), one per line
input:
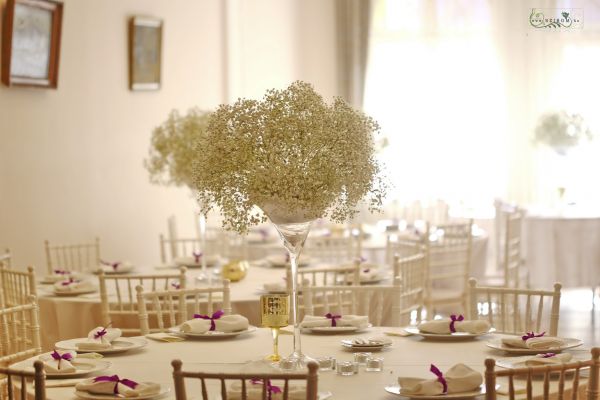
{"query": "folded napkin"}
(372, 341)
(534, 342)
(196, 259)
(61, 275)
(368, 272)
(117, 386)
(548, 358)
(275, 287)
(454, 324)
(329, 319)
(99, 338)
(73, 285)
(217, 322)
(254, 388)
(58, 362)
(457, 379)
(116, 266)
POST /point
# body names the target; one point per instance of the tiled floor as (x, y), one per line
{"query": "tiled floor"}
(577, 318)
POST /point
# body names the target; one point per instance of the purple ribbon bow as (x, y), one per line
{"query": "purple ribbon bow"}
(333, 318)
(366, 270)
(176, 285)
(216, 315)
(68, 282)
(101, 332)
(453, 319)
(62, 272)
(114, 265)
(270, 388)
(197, 256)
(531, 335)
(59, 357)
(115, 378)
(440, 377)
(548, 355)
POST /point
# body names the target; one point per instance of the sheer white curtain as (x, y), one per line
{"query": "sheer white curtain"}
(458, 86)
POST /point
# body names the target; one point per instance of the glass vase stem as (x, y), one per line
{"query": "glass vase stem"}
(294, 304)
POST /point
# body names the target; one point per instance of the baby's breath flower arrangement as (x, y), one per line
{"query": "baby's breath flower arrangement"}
(561, 131)
(172, 150)
(291, 154)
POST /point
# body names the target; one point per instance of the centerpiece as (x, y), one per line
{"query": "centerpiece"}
(561, 131)
(291, 158)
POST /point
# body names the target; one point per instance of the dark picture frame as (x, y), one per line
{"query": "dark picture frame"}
(31, 43)
(145, 53)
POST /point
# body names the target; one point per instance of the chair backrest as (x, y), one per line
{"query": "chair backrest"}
(511, 259)
(368, 300)
(402, 246)
(83, 257)
(19, 332)
(324, 276)
(6, 258)
(20, 378)
(246, 380)
(123, 303)
(571, 368)
(165, 309)
(515, 311)
(334, 249)
(16, 286)
(411, 270)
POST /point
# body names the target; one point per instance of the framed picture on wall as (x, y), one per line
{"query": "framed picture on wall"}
(31, 43)
(145, 42)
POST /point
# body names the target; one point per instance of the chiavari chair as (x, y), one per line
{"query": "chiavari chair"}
(81, 257)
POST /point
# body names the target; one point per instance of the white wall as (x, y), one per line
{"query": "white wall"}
(71, 159)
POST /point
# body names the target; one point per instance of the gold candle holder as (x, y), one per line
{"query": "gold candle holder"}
(274, 314)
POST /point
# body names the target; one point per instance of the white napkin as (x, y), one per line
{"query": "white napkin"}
(61, 275)
(442, 326)
(459, 378)
(73, 285)
(62, 366)
(372, 341)
(187, 261)
(124, 266)
(275, 287)
(536, 343)
(227, 323)
(314, 321)
(142, 388)
(539, 359)
(254, 391)
(100, 342)
(368, 272)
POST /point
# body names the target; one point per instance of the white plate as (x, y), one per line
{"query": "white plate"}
(395, 389)
(73, 293)
(519, 362)
(337, 329)
(449, 336)
(118, 345)
(569, 343)
(348, 343)
(90, 396)
(84, 367)
(211, 335)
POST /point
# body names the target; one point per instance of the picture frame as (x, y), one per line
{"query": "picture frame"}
(31, 43)
(145, 53)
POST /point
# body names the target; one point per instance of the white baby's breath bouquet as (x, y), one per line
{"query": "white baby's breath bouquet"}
(561, 130)
(289, 154)
(172, 150)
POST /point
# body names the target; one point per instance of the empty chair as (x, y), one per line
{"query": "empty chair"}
(348, 274)
(402, 246)
(160, 310)
(8, 379)
(119, 299)
(83, 257)
(515, 311)
(19, 332)
(245, 381)
(17, 286)
(334, 249)
(566, 378)
(411, 273)
(356, 300)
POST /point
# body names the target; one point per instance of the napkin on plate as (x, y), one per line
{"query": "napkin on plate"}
(534, 342)
(275, 287)
(195, 260)
(73, 285)
(217, 322)
(330, 320)
(368, 272)
(548, 358)
(117, 266)
(457, 379)
(372, 341)
(59, 362)
(444, 326)
(118, 386)
(61, 274)
(254, 390)
(99, 338)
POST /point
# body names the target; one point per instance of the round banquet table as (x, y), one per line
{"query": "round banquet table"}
(408, 356)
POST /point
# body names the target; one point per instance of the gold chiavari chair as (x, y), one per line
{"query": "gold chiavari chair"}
(329, 275)
(411, 273)
(19, 332)
(82, 257)
(11, 377)
(334, 249)
(16, 286)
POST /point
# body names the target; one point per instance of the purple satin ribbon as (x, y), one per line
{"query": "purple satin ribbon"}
(70, 281)
(62, 272)
(101, 332)
(197, 256)
(114, 265)
(548, 355)
(366, 270)
(440, 377)
(270, 388)
(216, 315)
(59, 357)
(531, 335)
(115, 378)
(453, 319)
(333, 317)
(176, 285)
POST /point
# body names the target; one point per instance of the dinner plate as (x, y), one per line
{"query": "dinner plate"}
(497, 344)
(91, 396)
(519, 362)
(84, 367)
(73, 293)
(111, 271)
(395, 389)
(337, 329)
(211, 334)
(51, 279)
(119, 345)
(449, 336)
